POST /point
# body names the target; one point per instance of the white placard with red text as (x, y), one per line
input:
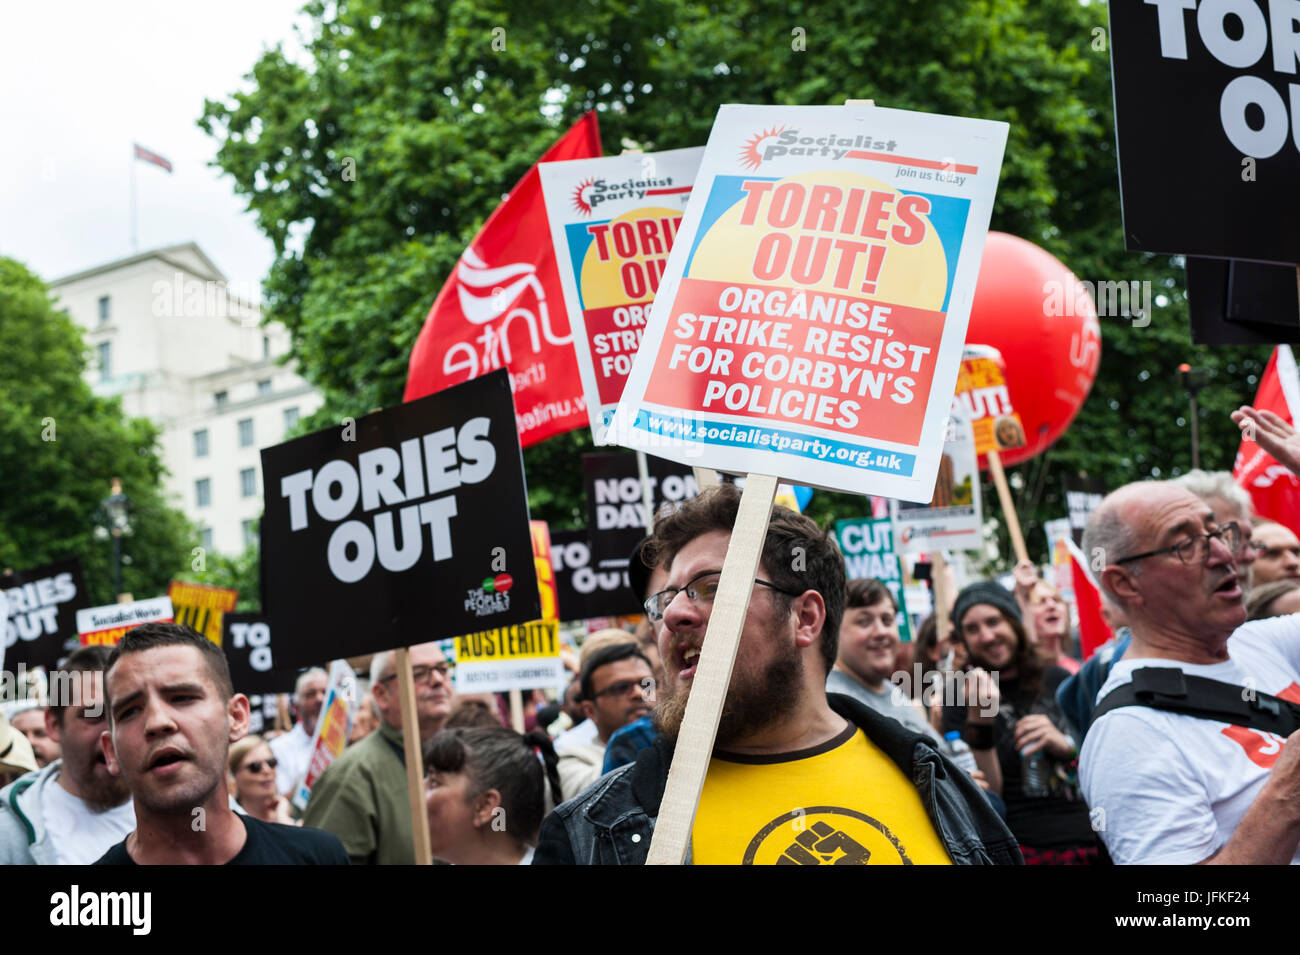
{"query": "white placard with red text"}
(811, 318)
(612, 222)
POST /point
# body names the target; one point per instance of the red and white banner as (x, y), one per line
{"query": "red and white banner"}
(503, 307)
(1273, 489)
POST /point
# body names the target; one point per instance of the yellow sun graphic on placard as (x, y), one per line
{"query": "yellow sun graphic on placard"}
(623, 278)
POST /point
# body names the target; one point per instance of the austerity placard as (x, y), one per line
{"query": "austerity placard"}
(613, 221)
(519, 657)
(104, 626)
(40, 627)
(1219, 77)
(868, 547)
(250, 654)
(953, 520)
(811, 318)
(201, 607)
(616, 517)
(585, 589)
(403, 526)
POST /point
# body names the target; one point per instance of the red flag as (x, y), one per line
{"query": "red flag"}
(1093, 631)
(1273, 489)
(503, 306)
(150, 156)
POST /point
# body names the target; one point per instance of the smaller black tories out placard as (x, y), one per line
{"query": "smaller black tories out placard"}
(43, 604)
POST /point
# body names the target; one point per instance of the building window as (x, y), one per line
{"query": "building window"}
(203, 492)
(201, 443)
(105, 360)
(264, 386)
(246, 433)
(248, 482)
(266, 346)
(205, 538)
(250, 532)
(290, 418)
(221, 397)
(105, 310)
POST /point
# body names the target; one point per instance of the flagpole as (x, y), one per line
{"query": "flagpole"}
(135, 237)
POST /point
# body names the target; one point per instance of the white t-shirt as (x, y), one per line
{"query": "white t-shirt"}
(1170, 789)
(79, 834)
(292, 751)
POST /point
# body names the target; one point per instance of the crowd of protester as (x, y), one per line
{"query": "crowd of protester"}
(988, 739)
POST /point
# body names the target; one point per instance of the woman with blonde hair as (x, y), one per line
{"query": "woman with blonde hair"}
(1046, 615)
(252, 781)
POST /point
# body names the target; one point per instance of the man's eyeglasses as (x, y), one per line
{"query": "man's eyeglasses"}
(620, 688)
(1196, 550)
(421, 674)
(256, 765)
(701, 589)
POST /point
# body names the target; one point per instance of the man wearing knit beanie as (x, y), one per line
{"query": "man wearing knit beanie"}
(1012, 723)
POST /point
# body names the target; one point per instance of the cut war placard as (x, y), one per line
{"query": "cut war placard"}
(40, 627)
(403, 526)
(104, 626)
(953, 519)
(613, 221)
(810, 321)
(868, 547)
(200, 606)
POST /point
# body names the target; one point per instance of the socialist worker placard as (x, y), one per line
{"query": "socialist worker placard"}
(811, 317)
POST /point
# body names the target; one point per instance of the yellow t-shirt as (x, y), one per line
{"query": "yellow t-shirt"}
(842, 803)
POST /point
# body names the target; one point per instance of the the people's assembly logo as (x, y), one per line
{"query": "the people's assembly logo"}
(825, 835)
(492, 596)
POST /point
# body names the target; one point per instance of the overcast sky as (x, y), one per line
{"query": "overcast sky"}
(80, 81)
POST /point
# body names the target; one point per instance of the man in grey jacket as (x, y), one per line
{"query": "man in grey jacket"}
(796, 777)
(73, 810)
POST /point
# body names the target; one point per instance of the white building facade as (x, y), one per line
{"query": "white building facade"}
(186, 350)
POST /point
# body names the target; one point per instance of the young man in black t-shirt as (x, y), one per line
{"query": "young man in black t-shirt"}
(172, 717)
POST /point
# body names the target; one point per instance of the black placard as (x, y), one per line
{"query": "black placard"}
(43, 604)
(585, 591)
(1242, 303)
(1209, 139)
(1082, 495)
(615, 513)
(404, 526)
(250, 653)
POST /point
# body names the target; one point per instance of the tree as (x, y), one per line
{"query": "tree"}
(61, 446)
(371, 164)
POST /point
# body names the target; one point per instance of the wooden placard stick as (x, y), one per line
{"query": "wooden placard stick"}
(1008, 506)
(517, 710)
(672, 835)
(414, 758)
(706, 478)
(647, 499)
(942, 594)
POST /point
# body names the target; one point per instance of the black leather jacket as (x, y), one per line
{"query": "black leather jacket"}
(612, 821)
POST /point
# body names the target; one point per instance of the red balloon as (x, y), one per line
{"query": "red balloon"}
(1030, 307)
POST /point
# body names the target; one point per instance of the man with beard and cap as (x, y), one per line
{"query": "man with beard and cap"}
(797, 776)
(73, 809)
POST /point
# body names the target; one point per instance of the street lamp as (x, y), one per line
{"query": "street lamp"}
(117, 506)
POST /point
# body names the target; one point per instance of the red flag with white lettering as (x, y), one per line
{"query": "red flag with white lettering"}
(1273, 489)
(503, 306)
(1093, 630)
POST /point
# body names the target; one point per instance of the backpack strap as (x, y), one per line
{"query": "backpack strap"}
(1169, 688)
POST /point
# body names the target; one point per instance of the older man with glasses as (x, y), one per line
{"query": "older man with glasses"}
(1167, 787)
(361, 797)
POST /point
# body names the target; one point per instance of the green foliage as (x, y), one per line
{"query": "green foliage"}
(241, 572)
(61, 446)
(371, 164)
